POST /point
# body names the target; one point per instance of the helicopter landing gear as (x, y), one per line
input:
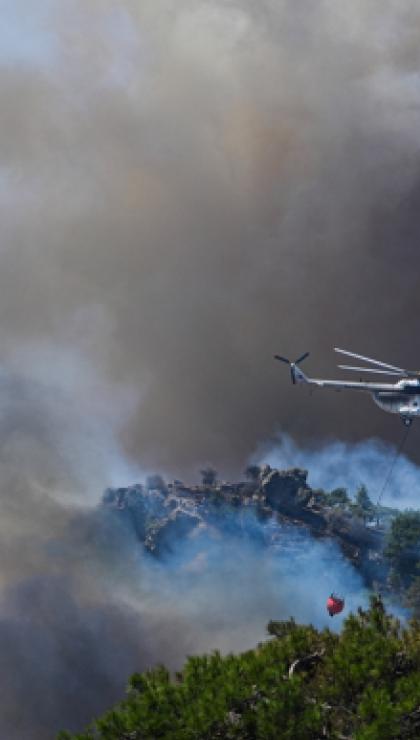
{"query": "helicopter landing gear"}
(406, 421)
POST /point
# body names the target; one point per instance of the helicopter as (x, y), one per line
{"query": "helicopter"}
(401, 397)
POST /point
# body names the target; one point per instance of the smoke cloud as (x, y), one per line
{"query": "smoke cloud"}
(185, 190)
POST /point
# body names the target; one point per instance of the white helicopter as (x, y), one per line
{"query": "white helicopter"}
(401, 397)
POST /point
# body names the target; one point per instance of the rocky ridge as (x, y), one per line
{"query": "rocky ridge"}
(164, 514)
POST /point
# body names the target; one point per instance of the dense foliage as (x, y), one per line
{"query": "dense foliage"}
(403, 546)
(402, 552)
(363, 683)
(361, 507)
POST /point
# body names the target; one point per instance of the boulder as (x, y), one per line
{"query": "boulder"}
(286, 490)
(163, 536)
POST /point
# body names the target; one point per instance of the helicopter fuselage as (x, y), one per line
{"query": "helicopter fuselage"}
(404, 400)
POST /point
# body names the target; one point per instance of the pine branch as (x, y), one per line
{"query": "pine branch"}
(306, 662)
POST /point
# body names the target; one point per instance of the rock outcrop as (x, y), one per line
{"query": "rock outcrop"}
(163, 516)
(163, 536)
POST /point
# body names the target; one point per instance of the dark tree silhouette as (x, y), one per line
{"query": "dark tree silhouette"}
(252, 472)
(208, 476)
(155, 482)
(363, 500)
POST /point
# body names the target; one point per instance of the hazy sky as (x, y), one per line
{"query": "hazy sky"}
(186, 188)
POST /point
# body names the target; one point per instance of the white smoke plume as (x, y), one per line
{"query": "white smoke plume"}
(387, 474)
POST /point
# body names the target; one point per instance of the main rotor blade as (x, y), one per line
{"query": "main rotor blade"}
(300, 359)
(370, 370)
(369, 359)
(282, 359)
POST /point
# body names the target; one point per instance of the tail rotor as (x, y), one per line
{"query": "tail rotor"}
(291, 364)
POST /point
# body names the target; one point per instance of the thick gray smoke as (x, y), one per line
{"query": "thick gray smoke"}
(185, 189)
(188, 188)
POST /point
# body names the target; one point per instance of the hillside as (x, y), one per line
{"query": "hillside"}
(362, 682)
(163, 515)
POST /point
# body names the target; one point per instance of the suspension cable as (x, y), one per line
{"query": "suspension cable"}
(391, 469)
